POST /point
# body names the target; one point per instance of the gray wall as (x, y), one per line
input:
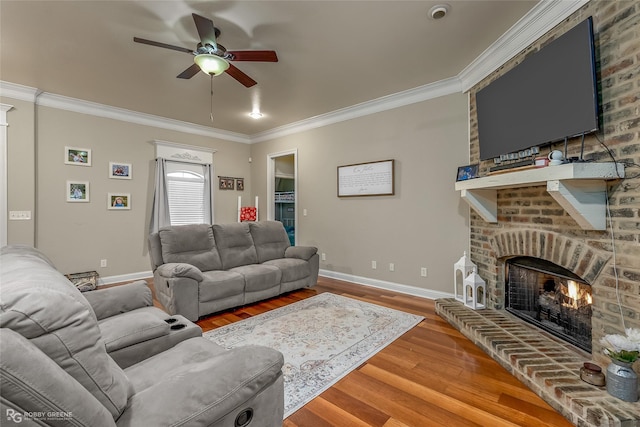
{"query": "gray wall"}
(425, 224)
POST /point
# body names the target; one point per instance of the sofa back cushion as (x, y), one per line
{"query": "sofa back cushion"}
(32, 382)
(192, 244)
(40, 304)
(270, 239)
(235, 244)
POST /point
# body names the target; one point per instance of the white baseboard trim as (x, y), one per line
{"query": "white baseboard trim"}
(109, 280)
(366, 281)
(389, 286)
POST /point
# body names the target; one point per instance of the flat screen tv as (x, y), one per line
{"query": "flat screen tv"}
(549, 96)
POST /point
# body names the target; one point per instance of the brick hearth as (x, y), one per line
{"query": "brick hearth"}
(551, 368)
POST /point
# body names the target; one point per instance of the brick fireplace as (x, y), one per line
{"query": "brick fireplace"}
(549, 366)
(531, 223)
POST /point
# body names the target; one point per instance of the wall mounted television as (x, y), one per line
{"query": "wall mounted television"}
(551, 95)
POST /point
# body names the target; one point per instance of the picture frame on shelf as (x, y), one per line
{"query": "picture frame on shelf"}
(468, 172)
(119, 201)
(77, 191)
(77, 156)
(119, 170)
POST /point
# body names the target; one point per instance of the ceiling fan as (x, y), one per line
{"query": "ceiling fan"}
(213, 58)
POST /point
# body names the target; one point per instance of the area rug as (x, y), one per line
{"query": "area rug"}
(322, 338)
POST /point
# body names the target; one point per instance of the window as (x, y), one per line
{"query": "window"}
(185, 190)
(183, 193)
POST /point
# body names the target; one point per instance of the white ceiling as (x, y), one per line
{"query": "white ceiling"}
(333, 54)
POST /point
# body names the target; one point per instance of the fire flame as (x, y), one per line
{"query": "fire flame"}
(573, 290)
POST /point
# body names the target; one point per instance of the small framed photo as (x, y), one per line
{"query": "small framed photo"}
(77, 191)
(77, 156)
(119, 201)
(467, 172)
(225, 183)
(240, 184)
(119, 170)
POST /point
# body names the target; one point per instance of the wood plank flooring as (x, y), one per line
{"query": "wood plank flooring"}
(431, 376)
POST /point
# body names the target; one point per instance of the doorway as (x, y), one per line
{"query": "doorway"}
(282, 191)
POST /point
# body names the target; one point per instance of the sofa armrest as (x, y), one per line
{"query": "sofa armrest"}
(174, 269)
(300, 252)
(207, 388)
(131, 328)
(119, 299)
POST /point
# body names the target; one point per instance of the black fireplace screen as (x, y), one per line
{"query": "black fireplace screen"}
(550, 297)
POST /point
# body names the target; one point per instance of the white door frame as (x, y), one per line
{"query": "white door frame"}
(4, 181)
(271, 180)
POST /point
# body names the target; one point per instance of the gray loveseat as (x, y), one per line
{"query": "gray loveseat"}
(55, 367)
(201, 269)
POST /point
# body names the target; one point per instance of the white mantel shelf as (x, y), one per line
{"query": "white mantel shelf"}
(580, 188)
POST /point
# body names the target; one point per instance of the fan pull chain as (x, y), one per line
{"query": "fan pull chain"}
(211, 114)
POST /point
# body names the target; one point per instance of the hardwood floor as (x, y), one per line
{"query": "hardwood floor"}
(431, 376)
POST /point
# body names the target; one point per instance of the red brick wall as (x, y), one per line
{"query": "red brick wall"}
(530, 220)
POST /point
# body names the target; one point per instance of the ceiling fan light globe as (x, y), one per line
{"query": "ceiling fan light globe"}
(211, 64)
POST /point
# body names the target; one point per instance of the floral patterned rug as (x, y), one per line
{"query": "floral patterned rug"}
(323, 338)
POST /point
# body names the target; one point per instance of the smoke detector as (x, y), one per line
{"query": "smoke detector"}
(439, 11)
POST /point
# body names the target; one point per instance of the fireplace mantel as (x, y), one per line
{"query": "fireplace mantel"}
(580, 188)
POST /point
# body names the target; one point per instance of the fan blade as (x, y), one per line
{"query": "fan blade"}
(164, 45)
(240, 76)
(254, 55)
(189, 72)
(206, 30)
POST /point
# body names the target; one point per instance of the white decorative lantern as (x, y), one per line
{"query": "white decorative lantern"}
(475, 291)
(461, 270)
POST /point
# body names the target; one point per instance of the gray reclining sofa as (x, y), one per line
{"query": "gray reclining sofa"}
(201, 269)
(57, 365)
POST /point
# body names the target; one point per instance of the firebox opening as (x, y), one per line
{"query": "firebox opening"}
(551, 298)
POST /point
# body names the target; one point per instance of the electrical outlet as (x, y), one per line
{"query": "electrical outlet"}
(423, 272)
(103, 263)
(374, 265)
(324, 256)
(392, 267)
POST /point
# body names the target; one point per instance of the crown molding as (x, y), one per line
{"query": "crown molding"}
(541, 19)
(16, 91)
(25, 93)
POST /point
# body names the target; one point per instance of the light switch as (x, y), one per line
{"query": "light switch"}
(19, 215)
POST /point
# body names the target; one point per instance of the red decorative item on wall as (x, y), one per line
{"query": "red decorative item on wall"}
(248, 213)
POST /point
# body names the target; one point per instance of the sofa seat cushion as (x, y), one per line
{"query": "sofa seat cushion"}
(292, 268)
(130, 329)
(207, 381)
(258, 277)
(220, 284)
(235, 245)
(191, 244)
